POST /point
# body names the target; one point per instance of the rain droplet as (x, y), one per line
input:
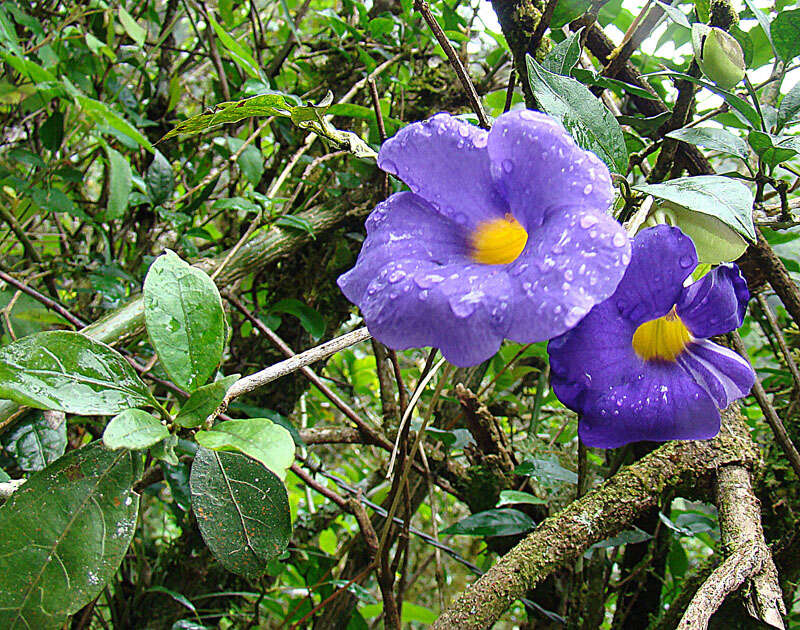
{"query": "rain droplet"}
(463, 131)
(686, 261)
(526, 114)
(568, 275)
(508, 166)
(619, 240)
(481, 140)
(587, 190)
(587, 221)
(389, 166)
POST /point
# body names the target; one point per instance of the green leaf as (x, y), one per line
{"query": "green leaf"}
(309, 117)
(722, 197)
(259, 438)
(101, 113)
(136, 32)
(203, 402)
(627, 537)
(785, 31)
(242, 510)
(4, 476)
(240, 53)
(160, 179)
(165, 450)
(184, 319)
(65, 533)
(134, 429)
(52, 131)
(562, 59)
(513, 497)
(714, 139)
(296, 223)
(33, 443)
(591, 124)
(675, 14)
(120, 184)
(546, 470)
(309, 318)
(498, 522)
(763, 21)
(70, 372)
(789, 110)
(773, 149)
(250, 160)
(744, 110)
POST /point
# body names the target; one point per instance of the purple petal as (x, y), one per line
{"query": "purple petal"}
(715, 304)
(665, 404)
(595, 355)
(402, 227)
(460, 309)
(444, 160)
(573, 261)
(720, 371)
(662, 257)
(537, 165)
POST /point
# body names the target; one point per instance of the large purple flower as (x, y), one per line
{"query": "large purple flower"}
(503, 235)
(640, 365)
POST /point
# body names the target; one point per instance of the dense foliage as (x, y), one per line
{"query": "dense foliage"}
(181, 184)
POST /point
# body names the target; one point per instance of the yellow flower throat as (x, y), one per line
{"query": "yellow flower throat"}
(497, 241)
(663, 338)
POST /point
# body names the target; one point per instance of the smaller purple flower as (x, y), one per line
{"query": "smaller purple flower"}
(640, 365)
(503, 235)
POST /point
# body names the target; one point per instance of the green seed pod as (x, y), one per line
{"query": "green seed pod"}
(719, 55)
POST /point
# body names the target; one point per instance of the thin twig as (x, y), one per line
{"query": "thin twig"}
(425, 10)
(776, 330)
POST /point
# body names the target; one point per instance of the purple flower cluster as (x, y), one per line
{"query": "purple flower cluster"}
(504, 235)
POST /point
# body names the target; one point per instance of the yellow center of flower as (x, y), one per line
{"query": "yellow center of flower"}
(498, 241)
(663, 338)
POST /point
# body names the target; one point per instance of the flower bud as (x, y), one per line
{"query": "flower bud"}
(719, 55)
(714, 241)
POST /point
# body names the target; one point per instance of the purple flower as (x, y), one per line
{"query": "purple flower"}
(503, 235)
(640, 365)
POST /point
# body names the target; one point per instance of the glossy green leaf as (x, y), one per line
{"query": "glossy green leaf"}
(513, 497)
(497, 522)
(763, 21)
(744, 110)
(185, 320)
(295, 223)
(259, 438)
(242, 510)
(134, 429)
(789, 110)
(69, 372)
(65, 533)
(52, 131)
(773, 149)
(785, 30)
(714, 139)
(132, 28)
(727, 199)
(564, 56)
(203, 402)
(160, 179)
(100, 112)
(33, 443)
(120, 184)
(627, 537)
(165, 450)
(591, 124)
(250, 160)
(309, 318)
(546, 470)
(675, 14)
(240, 53)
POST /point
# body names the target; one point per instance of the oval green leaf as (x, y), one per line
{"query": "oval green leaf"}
(242, 510)
(589, 122)
(65, 532)
(184, 318)
(203, 402)
(497, 522)
(134, 429)
(260, 438)
(33, 443)
(69, 372)
(727, 199)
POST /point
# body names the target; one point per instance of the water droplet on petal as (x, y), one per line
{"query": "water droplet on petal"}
(526, 114)
(481, 140)
(463, 131)
(389, 166)
(568, 275)
(686, 261)
(587, 190)
(508, 166)
(619, 239)
(588, 220)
